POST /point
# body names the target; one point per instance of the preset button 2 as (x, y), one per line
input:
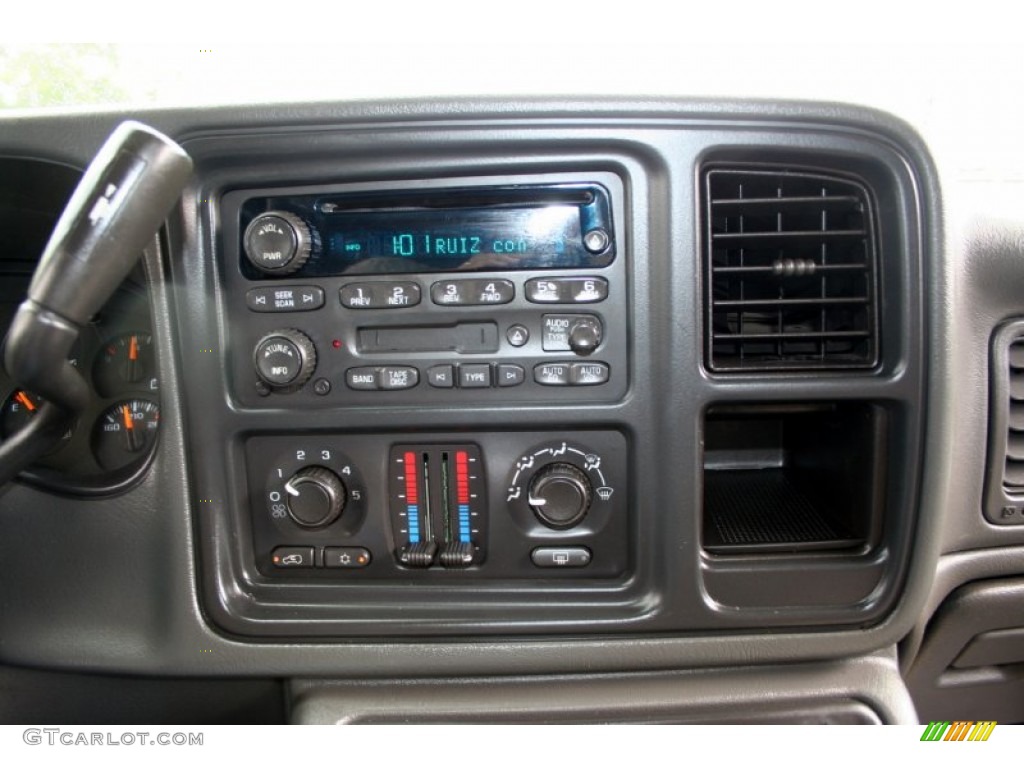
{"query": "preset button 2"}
(380, 295)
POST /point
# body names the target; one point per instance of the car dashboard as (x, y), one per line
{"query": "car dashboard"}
(533, 411)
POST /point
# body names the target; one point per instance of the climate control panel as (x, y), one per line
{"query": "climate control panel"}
(500, 504)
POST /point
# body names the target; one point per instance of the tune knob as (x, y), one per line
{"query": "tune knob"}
(585, 335)
(285, 359)
(277, 242)
(315, 497)
(560, 495)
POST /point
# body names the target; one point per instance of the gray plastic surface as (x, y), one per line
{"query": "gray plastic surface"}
(136, 606)
(659, 317)
(966, 670)
(859, 691)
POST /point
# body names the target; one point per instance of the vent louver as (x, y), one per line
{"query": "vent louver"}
(1013, 470)
(791, 271)
(1004, 485)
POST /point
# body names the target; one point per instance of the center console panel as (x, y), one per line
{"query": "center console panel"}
(523, 382)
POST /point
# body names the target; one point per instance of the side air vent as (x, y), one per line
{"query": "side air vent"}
(1013, 469)
(1004, 500)
(791, 271)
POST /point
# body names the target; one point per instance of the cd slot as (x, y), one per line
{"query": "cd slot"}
(461, 338)
(459, 198)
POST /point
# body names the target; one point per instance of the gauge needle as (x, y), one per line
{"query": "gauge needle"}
(22, 398)
(129, 426)
(133, 358)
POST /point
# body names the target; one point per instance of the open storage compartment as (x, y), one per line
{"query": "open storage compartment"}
(792, 477)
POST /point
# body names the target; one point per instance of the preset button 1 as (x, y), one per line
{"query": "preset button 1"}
(380, 295)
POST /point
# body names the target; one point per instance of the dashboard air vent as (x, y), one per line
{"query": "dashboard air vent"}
(1013, 469)
(1004, 487)
(791, 272)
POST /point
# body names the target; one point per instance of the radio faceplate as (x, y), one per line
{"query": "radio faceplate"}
(315, 337)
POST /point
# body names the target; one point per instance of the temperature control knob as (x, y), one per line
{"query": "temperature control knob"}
(560, 495)
(285, 359)
(278, 242)
(315, 497)
(585, 335)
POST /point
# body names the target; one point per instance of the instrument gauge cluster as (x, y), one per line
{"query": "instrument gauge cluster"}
(111, 443)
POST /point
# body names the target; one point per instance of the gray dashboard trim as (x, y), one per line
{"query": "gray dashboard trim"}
(133, 605)
(867, 689)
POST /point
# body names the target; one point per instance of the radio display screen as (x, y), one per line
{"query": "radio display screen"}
(467, 240)
(471, 230)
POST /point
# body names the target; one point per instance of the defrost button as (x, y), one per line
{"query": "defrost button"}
(561, 557)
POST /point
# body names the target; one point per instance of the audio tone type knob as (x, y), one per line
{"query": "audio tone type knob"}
(315, 497)
(278, 242)
(585, 336)
(285, 359)
(560, 495)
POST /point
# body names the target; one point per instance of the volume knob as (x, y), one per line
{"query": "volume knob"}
(315, 497)
(560, 495)
(585, 336)
(277, 242)
(285, 359)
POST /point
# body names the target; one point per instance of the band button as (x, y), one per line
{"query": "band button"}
(361, 378)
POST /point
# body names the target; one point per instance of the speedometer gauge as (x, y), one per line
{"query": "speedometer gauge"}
(125, 432)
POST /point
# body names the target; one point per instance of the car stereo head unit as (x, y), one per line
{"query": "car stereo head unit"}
(478, 290)
(561, 226)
